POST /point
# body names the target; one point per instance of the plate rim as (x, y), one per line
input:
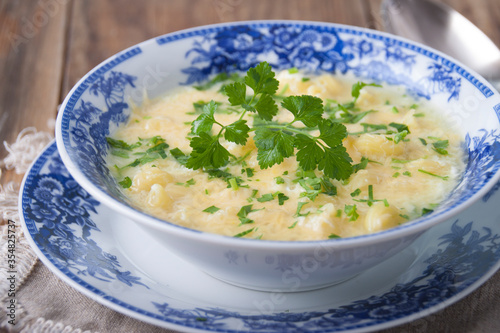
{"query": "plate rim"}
(148, 317)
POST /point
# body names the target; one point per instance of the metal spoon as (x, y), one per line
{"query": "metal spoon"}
(441, 27)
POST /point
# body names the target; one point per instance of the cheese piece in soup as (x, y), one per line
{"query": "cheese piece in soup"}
(336, 160)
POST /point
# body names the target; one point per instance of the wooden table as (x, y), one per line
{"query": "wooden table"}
(47, 45)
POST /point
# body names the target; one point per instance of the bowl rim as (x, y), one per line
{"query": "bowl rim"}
(408, 229)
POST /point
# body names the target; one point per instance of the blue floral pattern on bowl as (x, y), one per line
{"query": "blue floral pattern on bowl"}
(100, 103)
(316, 49)
(59, 214)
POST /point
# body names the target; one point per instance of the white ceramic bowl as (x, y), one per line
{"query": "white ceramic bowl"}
(98, 104)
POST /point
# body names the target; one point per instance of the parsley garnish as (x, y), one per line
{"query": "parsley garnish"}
(282, 198)
(356, 88)
(299, 208)
(356, 193)
(274, 141)
(440, 147)
(157, 147)
(179, 155)
(126, 182)
(187, 183)
(266, 197)
(351, 211)
(426, 211)
(246, 232)
(279, 180)
(211, 209)
(433, 174)
(243, 213)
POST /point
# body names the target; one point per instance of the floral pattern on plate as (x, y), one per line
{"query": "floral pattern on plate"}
(63, 222)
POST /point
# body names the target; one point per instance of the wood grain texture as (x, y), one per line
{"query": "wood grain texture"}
(31, 57)
(99, 28)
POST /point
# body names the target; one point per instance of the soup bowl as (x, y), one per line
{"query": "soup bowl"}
(101, 101)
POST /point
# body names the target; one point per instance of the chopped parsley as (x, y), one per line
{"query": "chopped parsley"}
(244, 233)
(211, 209)
(243, 214)
(433, 174)
(266, 197)
(126, 182)
(179, 155)
(279, 180)
(356, 193)
(155, 149)
(282, 198)
(188, 183)
(351, 211)
(440, 146)
(299, 208)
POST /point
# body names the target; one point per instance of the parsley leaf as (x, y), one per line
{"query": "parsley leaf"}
(266, 197)
(236, 93)
(126, 182)
(207, 152)
(266, 107)
(243, 213)
(440, 146)
(356, 88)
(237, 132)
(244, 233)
(336, 163)
(179, 156)
(329, 188)
(273, 146)
(333, 236)
(206, 120)
(351, 211)
(307, 109)
(211, 209)
(261, 79)
(282, 198)
(309, 152)
(120, 144)
(400, 127)
(332, 133)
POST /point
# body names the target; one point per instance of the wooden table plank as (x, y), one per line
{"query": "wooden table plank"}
(100, 29)
(31, 57)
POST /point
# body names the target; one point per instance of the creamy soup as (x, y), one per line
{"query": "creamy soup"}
(406, 160)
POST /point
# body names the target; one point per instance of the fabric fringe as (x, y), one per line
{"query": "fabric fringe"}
(29, 144)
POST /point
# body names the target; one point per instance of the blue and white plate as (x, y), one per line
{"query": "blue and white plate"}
(108, 258)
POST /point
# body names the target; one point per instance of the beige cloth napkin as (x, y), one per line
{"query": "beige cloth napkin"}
(47, 304)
